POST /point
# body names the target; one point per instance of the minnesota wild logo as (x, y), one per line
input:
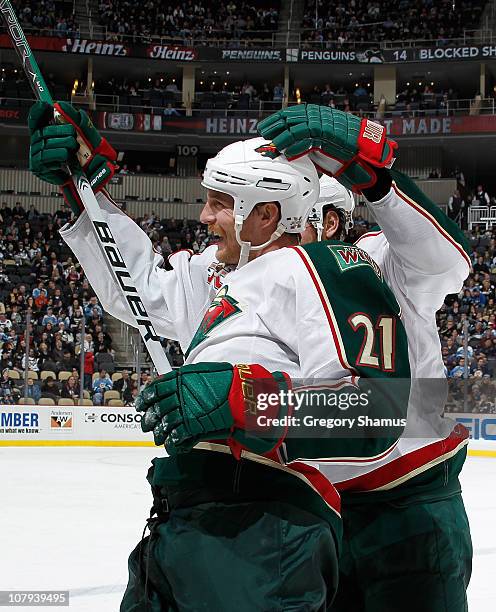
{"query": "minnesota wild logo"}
(268, 150)
(223, 307)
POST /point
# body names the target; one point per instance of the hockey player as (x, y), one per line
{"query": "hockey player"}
(247, 521)
(406, 535)
(333, 210)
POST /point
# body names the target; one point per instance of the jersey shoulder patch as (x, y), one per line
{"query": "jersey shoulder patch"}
(348, 257)
(339, 257)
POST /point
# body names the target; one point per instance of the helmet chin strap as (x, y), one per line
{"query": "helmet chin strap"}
(246, 246)
(320, 228)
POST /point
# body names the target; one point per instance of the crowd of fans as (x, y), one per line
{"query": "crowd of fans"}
(328, 24)
(43, 290)
(467, 329)
(476, 305)
(467, 321)
(170, 235)
(335, 24)
(193, 19)
(46, 17)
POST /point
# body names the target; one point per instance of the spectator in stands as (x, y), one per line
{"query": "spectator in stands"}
(101, 384)
(124, 386)
(9, 398)
(41, 300)
(134, 395)
(67, 363)
(278, 93)
(92, 308)
(33, 390)
(58, 352)
(459, 370)
(70, 389)
(480, 265)
(460, 177)
(65, 335)
(6, 384)
(170, 111)
(32, 361)
(174, 354)
(456, 206)
(481, 197)
(50, 389)
(45, 359)
(102, 343)
(248, 90)
(145, 380)
(360, 91)
(89, 368)
(49, 317)
(88, 343)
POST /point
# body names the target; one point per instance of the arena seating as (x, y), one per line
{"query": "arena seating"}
(46, 17)
(193, 20)
(39, 276)
(360, 21)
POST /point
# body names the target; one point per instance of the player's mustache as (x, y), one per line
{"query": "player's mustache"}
(216, 230)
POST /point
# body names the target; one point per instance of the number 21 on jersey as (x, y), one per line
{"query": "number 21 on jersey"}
(383, 330)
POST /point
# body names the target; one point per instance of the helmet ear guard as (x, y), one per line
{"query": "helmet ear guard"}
(252, 178)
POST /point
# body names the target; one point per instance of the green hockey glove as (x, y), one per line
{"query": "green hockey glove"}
(339, 144)
(54, 148)
(99, 163)
(214, 401)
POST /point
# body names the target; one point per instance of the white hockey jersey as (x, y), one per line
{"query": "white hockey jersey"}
(275, 311)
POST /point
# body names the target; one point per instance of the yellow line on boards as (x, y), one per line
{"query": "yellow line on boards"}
(144, 443)
(74, 443)
(482, 453)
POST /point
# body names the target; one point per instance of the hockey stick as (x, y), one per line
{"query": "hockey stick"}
(106, 241)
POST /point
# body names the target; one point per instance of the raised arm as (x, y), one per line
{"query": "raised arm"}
(418, 245)
(421, 252)
(174, 299)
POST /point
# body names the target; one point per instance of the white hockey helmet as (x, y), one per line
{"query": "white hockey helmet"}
(332, 193)
(252, 172)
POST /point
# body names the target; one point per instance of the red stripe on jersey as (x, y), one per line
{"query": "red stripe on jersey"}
(367, 235)
(387, 452)
(406, 464)
(320, 483)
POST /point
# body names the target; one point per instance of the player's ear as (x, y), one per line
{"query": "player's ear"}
(270, 212)
(331, 225)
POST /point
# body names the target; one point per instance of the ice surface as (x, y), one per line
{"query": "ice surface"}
(70, 516)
